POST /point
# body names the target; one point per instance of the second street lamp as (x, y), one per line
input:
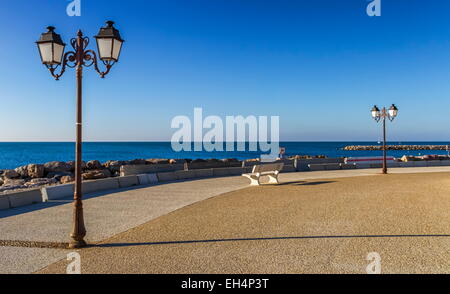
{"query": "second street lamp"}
(378, 115)
(51, 48)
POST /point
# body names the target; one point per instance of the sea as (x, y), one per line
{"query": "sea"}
(13, 155)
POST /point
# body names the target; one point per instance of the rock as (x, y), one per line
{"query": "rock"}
(35, 171)
(93, 165)
(97, 174)
(67, 179)
(138, 161)
(11, 188)
(13, 183)
(1, 182)
(72, 165)
(114, 165)
(22, 171)
(10, 174)
(214, 160)
(58, 175)
(199, 161)
(406, 158)
(157, 161)
(40, 182)
(252, 160)
(230, 160)
(57, 166)
(178, 161)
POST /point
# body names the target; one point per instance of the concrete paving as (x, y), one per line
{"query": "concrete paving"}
(308, 226)
(107, 214)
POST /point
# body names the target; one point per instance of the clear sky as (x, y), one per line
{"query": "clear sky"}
(320, 65)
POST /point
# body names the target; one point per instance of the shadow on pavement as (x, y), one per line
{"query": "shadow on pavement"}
(304, 183)
(264, 239)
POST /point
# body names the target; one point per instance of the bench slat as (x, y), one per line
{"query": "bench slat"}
(271, 167)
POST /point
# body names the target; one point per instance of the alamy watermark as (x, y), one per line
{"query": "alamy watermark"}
(74, 268)
(227, 135)
(374, 267)
(74, 8)
(374, 8)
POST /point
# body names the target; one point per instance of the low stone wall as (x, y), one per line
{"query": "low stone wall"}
(303, 164)
(325, 166)
(129, 170)
(204, 173)
(225, 172)
(208, 165)
(424, 163)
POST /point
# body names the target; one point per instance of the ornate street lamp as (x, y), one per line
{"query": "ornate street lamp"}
(378, 115)
(51, 48)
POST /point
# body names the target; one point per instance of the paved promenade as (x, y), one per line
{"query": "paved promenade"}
(107, 215)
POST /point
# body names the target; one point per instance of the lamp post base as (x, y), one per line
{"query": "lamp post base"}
(77, 244)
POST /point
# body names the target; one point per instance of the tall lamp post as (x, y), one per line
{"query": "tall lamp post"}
(378, 115)
(51, 48)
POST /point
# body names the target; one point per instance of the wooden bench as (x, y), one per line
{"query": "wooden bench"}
(272, 170)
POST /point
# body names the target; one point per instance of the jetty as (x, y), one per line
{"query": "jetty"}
(396, 147)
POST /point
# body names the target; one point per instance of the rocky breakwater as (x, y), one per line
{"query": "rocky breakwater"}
(396, 147)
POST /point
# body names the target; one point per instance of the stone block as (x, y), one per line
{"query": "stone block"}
(204, 173)
(128, 181)
(100, 185)
(57, 192)
(25, 198)
(185, 174)
(4, 202)
(316, 167)
(166, 177)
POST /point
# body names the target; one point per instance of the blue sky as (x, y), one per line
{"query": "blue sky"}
(320, 65)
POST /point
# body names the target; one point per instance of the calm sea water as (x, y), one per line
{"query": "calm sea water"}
(13, 155)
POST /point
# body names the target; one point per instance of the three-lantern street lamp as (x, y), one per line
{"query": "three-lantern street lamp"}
(378, 115)
(51, 48)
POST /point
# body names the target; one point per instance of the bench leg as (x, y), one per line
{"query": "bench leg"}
(273, 179)
(254, 180)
